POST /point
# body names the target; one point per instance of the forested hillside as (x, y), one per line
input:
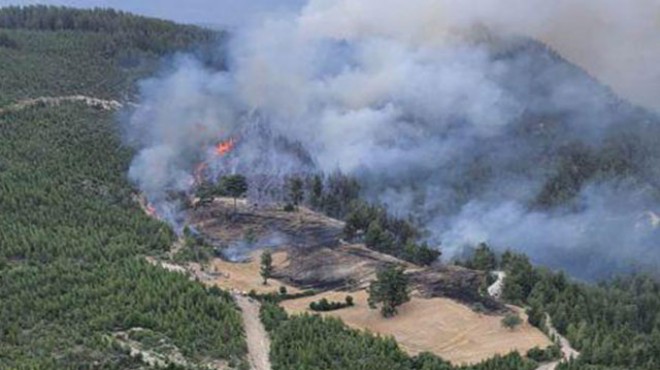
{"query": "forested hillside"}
(57, 51)
(72, 276)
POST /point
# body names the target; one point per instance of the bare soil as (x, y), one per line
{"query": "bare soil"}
(257, 338)
(57, 100)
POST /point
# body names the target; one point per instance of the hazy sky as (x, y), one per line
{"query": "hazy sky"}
(617, 41)
(210, 12)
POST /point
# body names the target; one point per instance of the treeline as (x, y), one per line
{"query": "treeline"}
(54, 51)
(72, 243)
(313, 342)
(127, 30)
(338, 195)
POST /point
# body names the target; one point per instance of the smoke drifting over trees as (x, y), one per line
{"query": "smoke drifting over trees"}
(443, 111)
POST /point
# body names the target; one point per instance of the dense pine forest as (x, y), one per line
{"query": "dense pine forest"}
(56, 51)
(71, 273)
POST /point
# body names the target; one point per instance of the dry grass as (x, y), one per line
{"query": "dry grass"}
(439, 325)
(242, 276)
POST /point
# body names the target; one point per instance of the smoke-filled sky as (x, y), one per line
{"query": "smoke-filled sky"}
(617, 41)
(442, 110)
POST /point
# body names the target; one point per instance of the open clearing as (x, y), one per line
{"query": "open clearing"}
(439, 325)
(241, 276)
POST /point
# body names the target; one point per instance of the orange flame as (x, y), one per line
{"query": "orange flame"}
(225, 147)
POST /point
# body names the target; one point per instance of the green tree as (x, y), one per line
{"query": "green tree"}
(235, 186)
(390, 289)
(317, 192)
(377, 238)
(511, 321)
(266, 266)
(296, 191)
(484, 258)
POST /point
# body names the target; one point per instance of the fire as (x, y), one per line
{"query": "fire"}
(225, 147)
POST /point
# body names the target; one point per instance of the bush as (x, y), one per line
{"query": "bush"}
(511, 321)
(324, 305)
(545, 355)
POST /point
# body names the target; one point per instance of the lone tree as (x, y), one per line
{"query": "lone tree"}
(266, 266)
(390, 289)
(296, 191)
(511, 321)
(235, 186)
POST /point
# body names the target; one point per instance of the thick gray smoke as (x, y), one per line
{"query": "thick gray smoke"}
(442, 109)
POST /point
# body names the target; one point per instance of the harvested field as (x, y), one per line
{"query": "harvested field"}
(439, 325)
(243, 276)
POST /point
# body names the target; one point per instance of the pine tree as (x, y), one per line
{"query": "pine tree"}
(266, 266)
(390, 289)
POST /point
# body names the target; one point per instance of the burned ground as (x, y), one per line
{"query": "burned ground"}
(316, 256)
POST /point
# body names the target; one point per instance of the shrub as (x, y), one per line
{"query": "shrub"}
(511, 321)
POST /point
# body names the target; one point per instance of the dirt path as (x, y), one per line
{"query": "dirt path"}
(46, 100)
(257, 338)
(495, 290)
(568, 352)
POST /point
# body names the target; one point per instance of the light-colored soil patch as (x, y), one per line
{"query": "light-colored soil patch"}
(257, 338)
(57, 100)
(242, 276)
(167, 266)
(439, 325)
(568, 352)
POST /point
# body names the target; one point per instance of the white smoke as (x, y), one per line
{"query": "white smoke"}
(441, 108)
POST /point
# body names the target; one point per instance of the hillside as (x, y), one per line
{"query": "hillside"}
(75, 292)
(52, 51)
(99, 272)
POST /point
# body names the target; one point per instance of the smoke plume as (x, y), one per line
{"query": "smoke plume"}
(445, 110)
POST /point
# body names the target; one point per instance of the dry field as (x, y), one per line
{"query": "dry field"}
(439, 325)
(242, 276)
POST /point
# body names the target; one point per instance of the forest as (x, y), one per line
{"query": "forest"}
(71, 269)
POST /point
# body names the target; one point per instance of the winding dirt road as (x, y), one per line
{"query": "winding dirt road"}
(568, 352)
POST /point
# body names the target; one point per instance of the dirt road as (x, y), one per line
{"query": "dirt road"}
(257, 338)
(568, 352)
(495, 290)
(46, 100)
